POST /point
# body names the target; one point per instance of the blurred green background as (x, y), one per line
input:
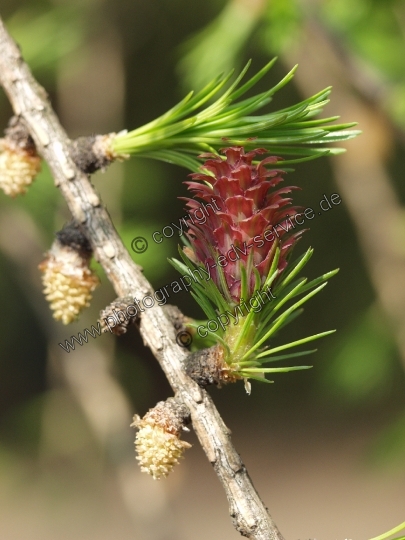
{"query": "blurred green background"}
(325, 448)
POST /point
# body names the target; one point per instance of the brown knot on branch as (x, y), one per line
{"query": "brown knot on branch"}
(94, 152)
(208, 367)
(119, 315)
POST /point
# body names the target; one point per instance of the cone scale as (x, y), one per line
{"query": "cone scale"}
(233, 237)
(245, 248)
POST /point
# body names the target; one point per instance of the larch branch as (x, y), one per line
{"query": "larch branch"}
(30, 103)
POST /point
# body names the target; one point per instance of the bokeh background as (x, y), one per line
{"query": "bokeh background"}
(325, 448)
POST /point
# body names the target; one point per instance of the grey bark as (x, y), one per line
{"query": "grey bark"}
(30, 103)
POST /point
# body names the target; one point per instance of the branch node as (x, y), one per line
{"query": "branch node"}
(208, 366)
(93, 153)
(114, 311)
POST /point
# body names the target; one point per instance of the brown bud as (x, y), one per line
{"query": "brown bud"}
(119, 311)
